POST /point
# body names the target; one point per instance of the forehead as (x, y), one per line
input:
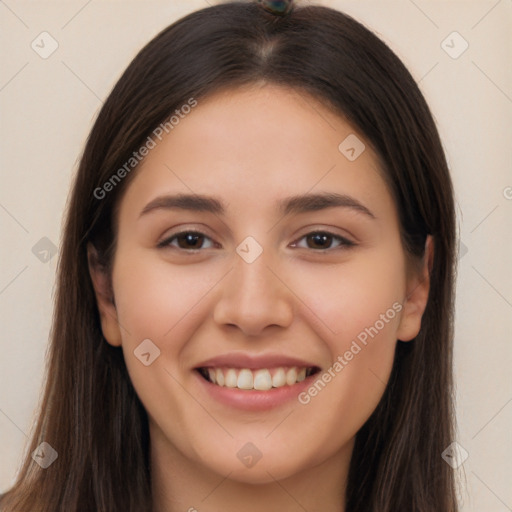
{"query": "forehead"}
(256, 144)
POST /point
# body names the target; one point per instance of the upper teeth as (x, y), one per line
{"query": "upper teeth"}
(262, 379)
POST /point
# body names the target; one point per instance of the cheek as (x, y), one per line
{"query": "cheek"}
(345, 395)
(162, 303)
(155, 298)
(360, 307)
(348, 298)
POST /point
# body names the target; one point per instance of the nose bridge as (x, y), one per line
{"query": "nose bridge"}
(253, 297)
(254, 278)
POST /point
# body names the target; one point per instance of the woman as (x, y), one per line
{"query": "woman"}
(255, 291)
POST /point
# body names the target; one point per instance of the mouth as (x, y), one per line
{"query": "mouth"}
(260, 379)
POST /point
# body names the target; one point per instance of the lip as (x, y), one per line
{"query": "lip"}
(253, 400)
(241, 360)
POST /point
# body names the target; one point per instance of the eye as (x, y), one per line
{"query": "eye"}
(186, 240)
(322, 241)
(194, 240)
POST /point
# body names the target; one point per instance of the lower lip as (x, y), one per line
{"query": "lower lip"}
(251, 399)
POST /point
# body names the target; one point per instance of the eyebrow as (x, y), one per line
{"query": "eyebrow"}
(295, 204)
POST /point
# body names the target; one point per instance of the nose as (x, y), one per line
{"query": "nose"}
(254, 297)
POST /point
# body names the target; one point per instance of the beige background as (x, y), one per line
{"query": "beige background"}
(48, 106)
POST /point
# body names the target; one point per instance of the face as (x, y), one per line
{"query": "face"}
(289, 276)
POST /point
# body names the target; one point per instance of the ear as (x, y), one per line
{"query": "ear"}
(418, 287)
(104, 297)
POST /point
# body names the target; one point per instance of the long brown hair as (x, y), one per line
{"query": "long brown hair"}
(90, 412)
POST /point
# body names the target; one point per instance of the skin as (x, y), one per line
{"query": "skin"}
(250, 148)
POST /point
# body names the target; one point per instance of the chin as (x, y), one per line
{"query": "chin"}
(264, 467)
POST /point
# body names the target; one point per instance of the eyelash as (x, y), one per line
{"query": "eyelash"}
(345, 243)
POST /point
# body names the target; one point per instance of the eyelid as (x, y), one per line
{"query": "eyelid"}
(166, 240)
(345, 242)
(330, 230)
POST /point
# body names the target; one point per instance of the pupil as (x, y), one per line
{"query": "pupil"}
(319, 238)
(189, 239)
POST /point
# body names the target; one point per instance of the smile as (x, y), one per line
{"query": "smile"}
(262, 379)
